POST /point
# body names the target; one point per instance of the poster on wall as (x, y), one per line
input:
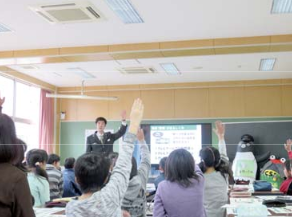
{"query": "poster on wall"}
(166, 138)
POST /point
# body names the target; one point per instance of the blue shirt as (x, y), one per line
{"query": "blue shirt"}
(159, 178)
(71, 188)
(39, 189)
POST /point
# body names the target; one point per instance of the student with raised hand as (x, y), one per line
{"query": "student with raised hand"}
(182, 192)
(15, 197)
(37, 177)
(55, 176)
(215, 166)
(92, 172)
(287, 170)
(135, 198)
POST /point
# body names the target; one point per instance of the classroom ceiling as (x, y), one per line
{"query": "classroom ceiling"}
(193, 69)
(164, 20)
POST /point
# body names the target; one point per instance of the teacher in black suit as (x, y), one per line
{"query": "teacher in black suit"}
(101, 141)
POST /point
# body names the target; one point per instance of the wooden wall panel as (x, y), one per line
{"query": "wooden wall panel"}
(91, 109)
(191, 103)
(226, 102)
(158, 104)
(287, 100)
(262, 101)
(262, 98)
(70, 107)
(125, 102)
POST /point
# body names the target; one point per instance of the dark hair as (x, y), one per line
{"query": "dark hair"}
(288, 165)
(35, 156)
(53, 158)
(211, 158)
(113, 156)
(134, 170)
(69, 163)
(20, 164)
(180, 168)
(247, 138)
(91, 171)
(11, 148)
(162, 163)
(101, 119)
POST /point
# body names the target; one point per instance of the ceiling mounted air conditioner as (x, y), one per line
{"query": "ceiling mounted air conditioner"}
(77, 11)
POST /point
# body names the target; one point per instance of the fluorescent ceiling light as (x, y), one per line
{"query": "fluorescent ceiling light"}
(4, 28)
(67, 96)
(170, 68)
(281, 7)
(82, 73)
(125, 11)
(267, 64)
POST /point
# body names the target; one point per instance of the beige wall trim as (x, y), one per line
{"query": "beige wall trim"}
(276, 43)
(194, 119)
(6, 71)
(254, 83)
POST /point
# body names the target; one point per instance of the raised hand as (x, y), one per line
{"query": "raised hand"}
(126, 214)
(219, 129)
(136, 116)
(140, 135)
(2, 100)
(288, 145)
(124, 115)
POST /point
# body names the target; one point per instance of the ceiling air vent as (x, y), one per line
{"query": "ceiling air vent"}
(137, 70)
(77, 11)
(4, 28)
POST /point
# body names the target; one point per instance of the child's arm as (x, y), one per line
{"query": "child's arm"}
(220, 132)
(145, 158)
(2, 100)
(114, 191)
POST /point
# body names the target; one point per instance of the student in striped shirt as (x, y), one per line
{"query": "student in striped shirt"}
(55, 176)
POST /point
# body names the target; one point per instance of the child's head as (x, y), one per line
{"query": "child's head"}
(92, 171)
(7, 130)
(54, 160)
(287, 169)
(180, 167)
(69, 163)
(162, 164)
(210, 156)
(11, 148)
(36, 160)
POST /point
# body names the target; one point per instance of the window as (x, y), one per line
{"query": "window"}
(22, 103)
(27, 102)
(6, 90)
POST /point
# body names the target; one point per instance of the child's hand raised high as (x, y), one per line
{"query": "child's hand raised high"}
(136, 116)
(2, 100)
(219, 129)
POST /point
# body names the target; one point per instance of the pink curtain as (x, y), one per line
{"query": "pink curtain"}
(46, 136)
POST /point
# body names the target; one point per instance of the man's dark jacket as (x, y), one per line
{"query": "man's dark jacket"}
(93, 144)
